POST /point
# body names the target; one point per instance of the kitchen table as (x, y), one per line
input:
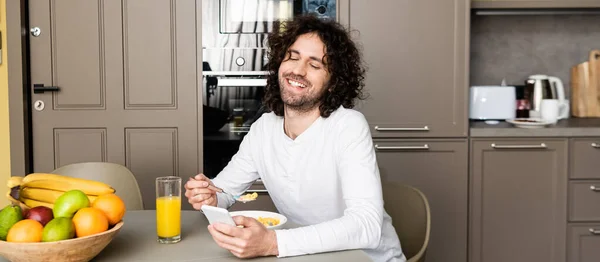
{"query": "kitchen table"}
(137, 242)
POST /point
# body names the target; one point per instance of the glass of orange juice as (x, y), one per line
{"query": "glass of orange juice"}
(168, 209)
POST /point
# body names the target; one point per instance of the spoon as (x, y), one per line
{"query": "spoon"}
(236, 197)
(220, 190)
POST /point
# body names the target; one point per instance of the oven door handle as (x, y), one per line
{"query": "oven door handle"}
(241, 82)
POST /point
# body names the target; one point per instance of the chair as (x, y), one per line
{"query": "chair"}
(118, 176)
(411, 218)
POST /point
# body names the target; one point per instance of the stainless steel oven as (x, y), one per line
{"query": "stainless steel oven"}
(234, 34)
(259, 16)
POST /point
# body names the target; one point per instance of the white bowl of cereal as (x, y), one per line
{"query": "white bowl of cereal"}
(270, 219)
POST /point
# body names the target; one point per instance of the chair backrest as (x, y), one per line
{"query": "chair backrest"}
(411, 218)
(118, 176)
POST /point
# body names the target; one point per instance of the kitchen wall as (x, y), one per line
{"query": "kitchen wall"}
(516, 46)
(4, 126)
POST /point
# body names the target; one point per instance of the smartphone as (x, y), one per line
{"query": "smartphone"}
(217, 214)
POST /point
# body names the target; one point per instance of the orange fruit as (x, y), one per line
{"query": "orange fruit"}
(112, 206)
(89, 221)
(26, 230)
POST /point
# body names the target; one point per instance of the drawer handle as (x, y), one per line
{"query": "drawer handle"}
(423, 147)
(594, 188)
(257, 191)
(594, 231)
(425, 128)
(542, 146)
(595, 145)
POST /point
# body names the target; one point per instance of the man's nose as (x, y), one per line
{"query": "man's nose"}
(300, 69)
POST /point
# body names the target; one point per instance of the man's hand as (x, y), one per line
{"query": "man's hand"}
(253, 240)
(198, 193)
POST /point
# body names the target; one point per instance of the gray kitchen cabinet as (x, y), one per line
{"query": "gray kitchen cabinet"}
(263, 202)
(417, 65)
(439, 169)
(584, 156)
(535, 4)
(518, 199)
(584, 243)
(583, 200)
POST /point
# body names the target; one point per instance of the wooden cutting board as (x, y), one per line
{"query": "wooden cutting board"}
(593, 90)
(585, 87)
(580, 80)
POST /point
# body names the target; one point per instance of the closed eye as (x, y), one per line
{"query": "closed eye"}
(293, 55)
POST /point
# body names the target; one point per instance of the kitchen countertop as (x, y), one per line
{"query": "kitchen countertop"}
(572, 127)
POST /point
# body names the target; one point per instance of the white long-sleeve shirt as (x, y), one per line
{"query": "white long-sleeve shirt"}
(326, 180)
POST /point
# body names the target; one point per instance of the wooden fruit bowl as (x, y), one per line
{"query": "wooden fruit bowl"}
(81, 249)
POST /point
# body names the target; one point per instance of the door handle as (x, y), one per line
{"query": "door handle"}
(423, 147)
(40, 88)
(425, 128)
(540, 146)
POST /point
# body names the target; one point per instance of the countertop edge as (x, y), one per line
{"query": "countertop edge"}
(573, 127)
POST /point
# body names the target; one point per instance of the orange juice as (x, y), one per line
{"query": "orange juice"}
(168, 216)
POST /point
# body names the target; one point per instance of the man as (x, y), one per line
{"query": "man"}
(312, 151)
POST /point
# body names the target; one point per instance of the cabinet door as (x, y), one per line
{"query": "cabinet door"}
(584, 199)
(439, 169)
(416, 53)
(518, 200)
(584, 240)
(584, 155)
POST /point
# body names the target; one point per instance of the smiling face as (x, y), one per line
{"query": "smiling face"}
(303, 75)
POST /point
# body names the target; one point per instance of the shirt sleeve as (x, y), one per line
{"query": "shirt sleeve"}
(240, 173)
(360, 226)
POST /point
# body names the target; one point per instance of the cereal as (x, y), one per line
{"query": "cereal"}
(248, 197)
(268, 221)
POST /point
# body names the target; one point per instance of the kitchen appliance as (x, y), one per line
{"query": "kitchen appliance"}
(260, 16)
(492, 102)
(234, 53)
(539, 87)
(234, 58)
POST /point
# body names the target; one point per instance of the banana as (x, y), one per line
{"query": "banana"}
(65, 183)
(45, 195)
(40, 194)
(14, 181)
(34, 203)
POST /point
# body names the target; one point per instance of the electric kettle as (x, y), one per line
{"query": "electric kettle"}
(539, 87)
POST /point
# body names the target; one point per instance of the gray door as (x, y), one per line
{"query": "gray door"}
(127, 77)
(518, 200)
(439, 169)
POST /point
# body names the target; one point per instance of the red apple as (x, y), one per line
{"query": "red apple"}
(41, 214)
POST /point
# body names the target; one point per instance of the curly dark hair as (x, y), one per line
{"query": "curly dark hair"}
(344, 63)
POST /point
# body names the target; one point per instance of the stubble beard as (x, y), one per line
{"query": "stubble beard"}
(302, 103)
